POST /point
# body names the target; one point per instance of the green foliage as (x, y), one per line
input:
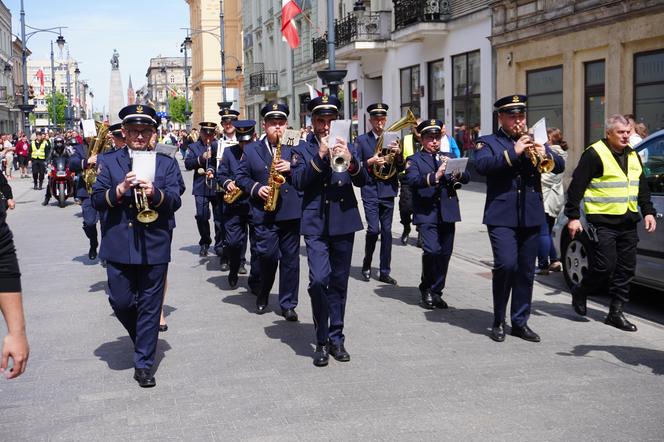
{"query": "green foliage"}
(177, 107)
(60, 104)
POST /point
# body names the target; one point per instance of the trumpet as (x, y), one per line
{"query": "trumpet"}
(338, 162)
(207, 171)
(145, 214)
(542, 163)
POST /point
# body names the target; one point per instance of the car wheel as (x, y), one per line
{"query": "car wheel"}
(577, 256)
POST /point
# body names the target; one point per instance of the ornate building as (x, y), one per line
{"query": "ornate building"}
(206, 57)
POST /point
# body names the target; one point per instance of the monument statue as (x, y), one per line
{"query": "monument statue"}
(115, 60)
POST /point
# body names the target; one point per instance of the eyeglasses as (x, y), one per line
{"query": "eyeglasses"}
(145, 133)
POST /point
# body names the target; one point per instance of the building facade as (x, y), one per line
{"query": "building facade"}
(580, 62)
(165, 79)
(206, 78)
(8, 114)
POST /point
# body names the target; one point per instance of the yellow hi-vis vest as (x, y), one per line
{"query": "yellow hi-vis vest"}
(614, 193)
(408, 147)
(39, 153)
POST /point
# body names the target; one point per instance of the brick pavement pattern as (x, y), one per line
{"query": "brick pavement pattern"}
(225, 373)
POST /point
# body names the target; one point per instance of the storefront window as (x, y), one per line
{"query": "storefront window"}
(649, 89)
(352, 86)
(436, 90)
(545, 96)
(410, 89)
(595, 113)
(466, 89)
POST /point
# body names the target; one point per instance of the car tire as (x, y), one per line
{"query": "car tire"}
(577, 256)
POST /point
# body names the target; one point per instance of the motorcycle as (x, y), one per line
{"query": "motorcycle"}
(61, 181)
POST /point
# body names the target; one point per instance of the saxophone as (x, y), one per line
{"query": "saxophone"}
(274, 180)
(90, 173)
(231, 197)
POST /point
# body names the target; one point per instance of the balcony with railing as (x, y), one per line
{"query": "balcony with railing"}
(420, 17)
(263, 81)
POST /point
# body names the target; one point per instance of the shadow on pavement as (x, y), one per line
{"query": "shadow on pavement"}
(168, 310)
(244, 300)
(565, 311)
(407, 295)
(296, 335)
(193, 249)
(83, 259)
(473, 320)
(119, 354)
(99, 286)
(635, 356)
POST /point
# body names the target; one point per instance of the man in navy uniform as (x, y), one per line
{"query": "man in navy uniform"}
(513, 212)
(278, 231)
(78, 163)
(137, 254)
(236, 214)
(201, 157)
(228, 116)
(117, 138)
(330, 218)
(435, 209)
(378, 195)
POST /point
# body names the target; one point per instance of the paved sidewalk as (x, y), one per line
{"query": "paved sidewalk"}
(225, 373)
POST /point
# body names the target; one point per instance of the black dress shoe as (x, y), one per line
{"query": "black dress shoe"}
(34, 187)
(203, 250)
(289, 314)
(224, 265)
(525, 333)
(579, 301)
(387, 279)
(427, 299)
(339, 352)
(498, 332)
(242, 270)
(163, 327)
(618, 320)
(45, 203)
(144, 377)
(232, 281)
(92, 253)
(366, 274)
(321, 356)
(438, 301)
(261, 304)
(404, 236)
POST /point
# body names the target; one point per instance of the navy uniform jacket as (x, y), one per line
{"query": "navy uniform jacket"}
(432, 202)
(78, 162)
(329, 206)
(227, 171)
(194, 160)
(514, 190)
(375, 188)
(253, 173)
(124, 239)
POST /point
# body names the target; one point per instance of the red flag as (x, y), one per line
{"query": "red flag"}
(40, 77)
(289, 10)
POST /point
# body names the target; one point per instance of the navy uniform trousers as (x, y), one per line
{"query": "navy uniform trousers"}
(437, 247)
(278, 244)
(78, 164)
(329, 259)
(235, 229)
(202, 217)
(378, 213)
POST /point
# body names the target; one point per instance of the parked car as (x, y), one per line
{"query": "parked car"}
(577, 253)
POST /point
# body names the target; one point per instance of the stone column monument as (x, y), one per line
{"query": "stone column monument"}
(115, 92)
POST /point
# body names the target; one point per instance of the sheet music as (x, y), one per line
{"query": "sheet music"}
(389, 137)
(339, 129)
(144, 163)
(454, 164)
(539, 132)
(89, 128)
(290, 137)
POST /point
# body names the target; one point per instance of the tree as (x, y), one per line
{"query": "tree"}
(177, 106)
(60, 104)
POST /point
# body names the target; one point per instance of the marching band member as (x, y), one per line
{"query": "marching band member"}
(330, 218)
(378, 195)
(202, 159)
(236, 214)
(435, 209)
(278, 230)
(137, 254)
(513, 212)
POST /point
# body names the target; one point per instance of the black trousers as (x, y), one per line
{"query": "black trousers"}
(38, 171)
(614, 263)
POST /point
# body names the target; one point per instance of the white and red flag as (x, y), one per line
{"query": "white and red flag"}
(40, 77)
(313, 92)
(289, 10)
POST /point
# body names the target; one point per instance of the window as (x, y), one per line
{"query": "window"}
(649, 89)
(466, 88)
(436, 86)
(352, 87)
(172, 79)
(410, 90)
(652, 157)
(304, 103)
(594, 101)
(545, 96)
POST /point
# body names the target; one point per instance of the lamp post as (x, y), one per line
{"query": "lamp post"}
(184, 47)
(332, 77)
(25, 107)
(77, 98)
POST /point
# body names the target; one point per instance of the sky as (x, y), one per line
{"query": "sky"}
(138, 30)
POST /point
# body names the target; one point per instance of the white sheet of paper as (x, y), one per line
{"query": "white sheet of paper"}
(340, 129)
(290, 137)
(539, 132)
(222, 145)
(454, 164)
(389, 137)
(144, 163)
(89, 128)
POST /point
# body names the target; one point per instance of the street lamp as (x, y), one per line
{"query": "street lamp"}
(331, 77)
(77, 98)
(25, 107)
(184, 47)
